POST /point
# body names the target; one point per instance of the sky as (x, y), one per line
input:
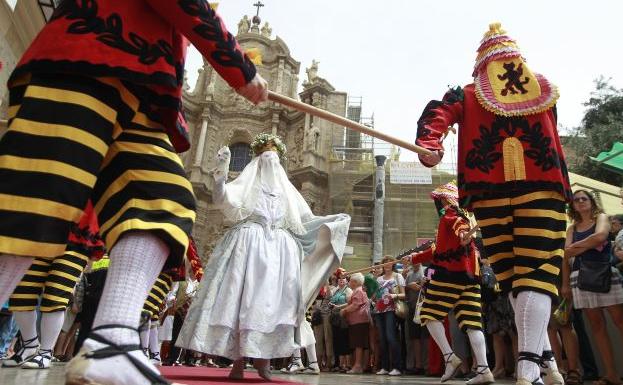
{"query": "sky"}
(399, 54)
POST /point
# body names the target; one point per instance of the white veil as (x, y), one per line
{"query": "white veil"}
(239, 197)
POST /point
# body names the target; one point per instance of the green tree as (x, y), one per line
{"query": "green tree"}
(601, 126)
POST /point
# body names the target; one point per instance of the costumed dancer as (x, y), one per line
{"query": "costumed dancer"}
(512, 174)
(49, 284)
(454, 285)
(163, 291)
(95, 112)
(266, 270)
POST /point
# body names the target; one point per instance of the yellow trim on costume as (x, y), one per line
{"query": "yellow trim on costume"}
(139, 148)
(495, 221)
(505, 274)
(159, 290)
(31, 284)
(539, 232)
(36, 261)
(161, 135)
(468, 313)
(153, 204)
(541, 213)
(141, 176)
(12, 111)
(138, 224)
(442, 294)
(69, 263)
(495, 240)
(438, 302)
(56, 298)
(38, 206)
(470, 294)
(526, 282)
(77, 255)
(434, 311)
(60, 286)
(540, 254)
(48, 166)
(24, 296)
(22, 308)
(37, 273)
(513, 160)
(468, 303)
(53, 130)
(546, 267)
(49, 309)
(132, 102)
(491, 203)
(446, 284)
(59, 273)
(72, 97)
(500, 256)
(473, 323)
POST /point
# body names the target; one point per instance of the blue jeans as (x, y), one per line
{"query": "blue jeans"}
(386, 324)
(8, 330)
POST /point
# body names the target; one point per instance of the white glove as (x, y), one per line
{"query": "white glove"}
(256, 90)
(220, 171)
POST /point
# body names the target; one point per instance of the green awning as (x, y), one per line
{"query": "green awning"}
(611, 160)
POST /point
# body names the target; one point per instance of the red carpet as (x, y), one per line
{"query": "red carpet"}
(213, 376)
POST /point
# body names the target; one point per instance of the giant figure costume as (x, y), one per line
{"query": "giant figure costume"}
(512, 174)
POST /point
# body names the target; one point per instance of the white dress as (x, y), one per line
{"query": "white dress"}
(256, 305)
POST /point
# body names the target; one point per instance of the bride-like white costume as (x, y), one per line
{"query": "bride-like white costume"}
(266, 270)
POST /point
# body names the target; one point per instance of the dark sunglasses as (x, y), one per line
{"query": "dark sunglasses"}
(580, 199)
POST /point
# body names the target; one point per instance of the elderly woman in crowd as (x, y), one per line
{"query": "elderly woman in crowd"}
(339, 300)
(357, 314)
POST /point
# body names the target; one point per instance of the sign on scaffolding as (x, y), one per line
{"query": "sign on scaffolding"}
(409, 173)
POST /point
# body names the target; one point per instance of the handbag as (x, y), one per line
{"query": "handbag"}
(594, 276)
(401, 306)
(562, 313)
(337, 320)
(418, 308)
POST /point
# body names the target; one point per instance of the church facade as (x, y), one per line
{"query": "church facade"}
(217, 117)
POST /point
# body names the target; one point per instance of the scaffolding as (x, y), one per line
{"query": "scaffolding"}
(409, 213)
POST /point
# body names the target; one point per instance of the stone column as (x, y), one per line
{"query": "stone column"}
(201, 143)
(379, 205)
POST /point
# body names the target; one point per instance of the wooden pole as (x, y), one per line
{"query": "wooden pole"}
(366, 269)
(333, 118)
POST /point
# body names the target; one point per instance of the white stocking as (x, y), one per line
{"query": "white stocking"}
(477, 340)
(12, 270)
(144, 334)
(311, 353)
(296, 356)
(51, 325)
(27, 323)
(532, 311)
(437, 331)
(547, 347)
(154, 343)
(135, 262)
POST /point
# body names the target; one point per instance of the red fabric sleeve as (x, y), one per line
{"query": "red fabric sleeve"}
(436, 118)
(423, 256)
(196, 20)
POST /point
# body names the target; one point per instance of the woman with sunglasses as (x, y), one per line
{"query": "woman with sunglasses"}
(587, 240)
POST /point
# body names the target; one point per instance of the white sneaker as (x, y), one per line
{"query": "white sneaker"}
(553, 377)
(294, 367)
(155, 359)
(94, 364)
(453, 362)
(395, 372)
(312, 368)
(523, 381)
(27, 351)
(483, 377)
(39, 361)
(382, 372)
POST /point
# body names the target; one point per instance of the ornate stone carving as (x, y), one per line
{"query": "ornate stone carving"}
(243, 25)
(266, 30)
(312, 72)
